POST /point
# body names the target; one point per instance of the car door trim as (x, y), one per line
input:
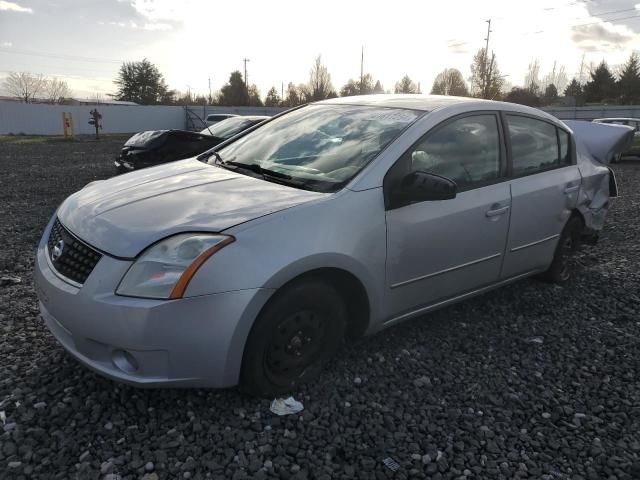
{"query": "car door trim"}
(446, 270)
(537, 242)
(457, 298)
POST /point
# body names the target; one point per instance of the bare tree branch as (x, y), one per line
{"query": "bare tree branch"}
(24, 86)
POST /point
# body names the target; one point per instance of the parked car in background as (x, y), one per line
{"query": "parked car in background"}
(146, 149)
(214, 118)
(337, 219)
(629, 122)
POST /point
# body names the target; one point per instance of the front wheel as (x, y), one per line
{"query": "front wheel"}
(562, 266)
(298, 330)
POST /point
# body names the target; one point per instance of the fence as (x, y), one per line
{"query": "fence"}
(589, 113)
(38, 119)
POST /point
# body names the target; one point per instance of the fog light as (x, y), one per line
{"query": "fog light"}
(124, 361)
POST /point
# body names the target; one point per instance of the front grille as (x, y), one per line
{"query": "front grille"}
(69, 256)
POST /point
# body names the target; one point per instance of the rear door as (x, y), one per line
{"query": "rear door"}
(544, 191)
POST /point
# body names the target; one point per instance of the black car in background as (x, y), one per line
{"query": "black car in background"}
(146, 149)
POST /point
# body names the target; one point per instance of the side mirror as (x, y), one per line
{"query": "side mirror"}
(423, 186)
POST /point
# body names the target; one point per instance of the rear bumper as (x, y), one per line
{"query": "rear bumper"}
(191, 342)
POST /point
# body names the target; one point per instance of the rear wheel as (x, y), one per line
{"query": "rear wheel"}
(562, 266)
(294, 335)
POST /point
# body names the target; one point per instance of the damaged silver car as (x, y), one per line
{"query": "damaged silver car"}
(254, 262)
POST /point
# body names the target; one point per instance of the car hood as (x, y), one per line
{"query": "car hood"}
(123, 215)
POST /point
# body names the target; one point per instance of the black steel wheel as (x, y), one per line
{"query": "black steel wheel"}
(297, 331)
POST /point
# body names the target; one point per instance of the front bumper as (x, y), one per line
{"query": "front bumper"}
(123, 165)
(191, 342)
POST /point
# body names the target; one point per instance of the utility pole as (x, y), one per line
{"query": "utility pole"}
(485, 80)
(210, 99)
(581, 69)
(282, 91)
(246, 80)
(361, 68)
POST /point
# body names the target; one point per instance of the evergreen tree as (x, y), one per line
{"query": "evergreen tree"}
(234, 92)
(602, 85)
(629, 83)
(406, 85)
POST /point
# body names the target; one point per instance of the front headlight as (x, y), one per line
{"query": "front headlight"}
(165, 269)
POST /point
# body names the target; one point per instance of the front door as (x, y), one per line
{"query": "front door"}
(440, 249)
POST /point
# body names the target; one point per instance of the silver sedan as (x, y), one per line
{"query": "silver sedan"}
(252, 263)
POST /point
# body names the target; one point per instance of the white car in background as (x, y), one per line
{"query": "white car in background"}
(214, 118)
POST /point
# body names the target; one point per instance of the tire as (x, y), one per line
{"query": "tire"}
(561, 269)
(299, 329)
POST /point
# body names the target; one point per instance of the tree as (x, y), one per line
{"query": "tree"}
(140, 82)
(557, 76)
(234, 92)
(602, 85)
(574, 90)
(355, 87)
(532, 78)
(293, 97)
(629, 82)
(406, 85)
(378, 88)
(254, 97)
(450, 82)
(55, 90)
(523, 96)
(23, 85)
(486, 81)
(319, 86)
(550, 94)
(273, 99)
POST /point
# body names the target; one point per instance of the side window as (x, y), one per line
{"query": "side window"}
(466, 150)
(534, 145)
(565, 154)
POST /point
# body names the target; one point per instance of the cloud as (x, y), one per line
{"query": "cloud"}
(14, 7)
(600, 37)
(6, 44)
(162, 9)
(459, 47)
(157, 26)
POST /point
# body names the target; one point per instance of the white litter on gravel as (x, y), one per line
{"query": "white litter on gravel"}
(286, 406)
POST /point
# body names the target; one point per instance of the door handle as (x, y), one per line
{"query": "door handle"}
(571, 188)
(497, 211)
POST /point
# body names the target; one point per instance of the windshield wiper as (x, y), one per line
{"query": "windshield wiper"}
(254, 167)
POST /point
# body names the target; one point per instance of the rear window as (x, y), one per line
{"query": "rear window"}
(535, 145)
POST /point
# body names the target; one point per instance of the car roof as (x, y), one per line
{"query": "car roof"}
(222, 115)
(429, 103)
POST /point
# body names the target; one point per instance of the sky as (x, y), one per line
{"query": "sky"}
(191, 41)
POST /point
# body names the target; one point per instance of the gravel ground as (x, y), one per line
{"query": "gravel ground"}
(530, 381)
